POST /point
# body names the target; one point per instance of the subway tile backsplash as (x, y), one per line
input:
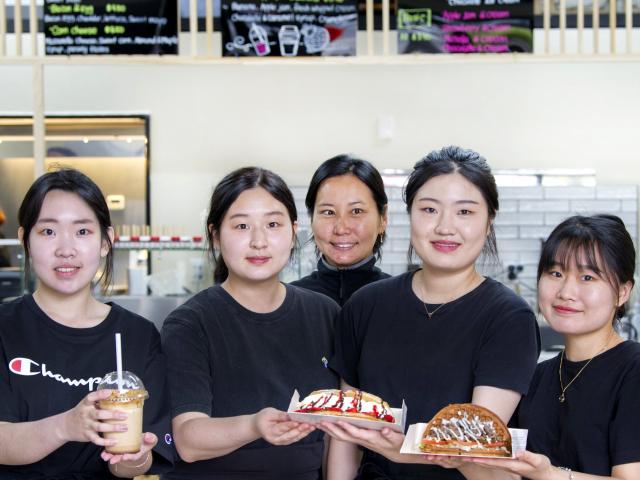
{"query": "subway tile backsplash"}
(527, 216)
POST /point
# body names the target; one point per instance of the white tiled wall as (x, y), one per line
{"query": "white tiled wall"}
(527, 216)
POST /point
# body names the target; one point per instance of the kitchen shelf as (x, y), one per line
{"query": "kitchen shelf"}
(143, 242)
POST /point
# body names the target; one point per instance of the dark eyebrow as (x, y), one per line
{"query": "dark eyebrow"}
(355, 202)
(581, 267)
(82, 221)
(593, 268)
(458, 202)
(267, 214)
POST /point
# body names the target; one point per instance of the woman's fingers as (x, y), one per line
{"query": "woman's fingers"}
(444, 461)
(109, 427)
(96, 396)
(373, 439)
(293, 435)
(533, 459)
(108, 414)
(100, 441)
(149, 439)
(280, 428)
(355, 432)
(335, 432)
(513, 466)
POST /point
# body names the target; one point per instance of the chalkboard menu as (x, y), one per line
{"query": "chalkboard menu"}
(103, 27)
(465, 26)
(289, 28)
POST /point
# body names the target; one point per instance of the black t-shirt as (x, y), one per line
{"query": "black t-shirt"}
(386, 345)
(46, 368)
(340, 283)
(598, 425)
(225, 361)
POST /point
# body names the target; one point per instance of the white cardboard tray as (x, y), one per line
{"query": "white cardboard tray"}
(399, 414)
(416, 431)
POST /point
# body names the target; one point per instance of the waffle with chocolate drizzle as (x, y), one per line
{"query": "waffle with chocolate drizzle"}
(466, 429)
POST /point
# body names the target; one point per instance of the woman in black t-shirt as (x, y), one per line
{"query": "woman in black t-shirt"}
(56, 344)
(582, 408)
(348, 208)
(238, 350)
(443, 334)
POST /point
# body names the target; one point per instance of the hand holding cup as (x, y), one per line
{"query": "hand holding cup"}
(85, 422)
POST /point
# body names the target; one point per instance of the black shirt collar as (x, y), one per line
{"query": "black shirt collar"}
(364, 264)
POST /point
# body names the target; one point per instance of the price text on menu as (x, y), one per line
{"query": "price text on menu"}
(465, 26)
(103, 27)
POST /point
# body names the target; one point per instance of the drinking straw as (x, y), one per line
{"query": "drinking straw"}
(119, 361)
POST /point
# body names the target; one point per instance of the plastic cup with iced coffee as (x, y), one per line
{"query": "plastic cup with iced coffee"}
(129, 398)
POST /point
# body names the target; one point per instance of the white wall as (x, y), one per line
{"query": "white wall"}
(208, 119)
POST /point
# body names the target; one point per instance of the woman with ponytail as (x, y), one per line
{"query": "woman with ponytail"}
(347, 205)
(237, 350)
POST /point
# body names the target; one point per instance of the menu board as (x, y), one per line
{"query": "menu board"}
(289, 28)
(465, 26)
(104, 27)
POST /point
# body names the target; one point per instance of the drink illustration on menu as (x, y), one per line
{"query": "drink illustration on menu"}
(289, 28)
(259, 40)
(289, 38)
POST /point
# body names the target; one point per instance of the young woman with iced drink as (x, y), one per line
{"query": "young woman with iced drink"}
(56, 345)
(441, 334)
(238, 350)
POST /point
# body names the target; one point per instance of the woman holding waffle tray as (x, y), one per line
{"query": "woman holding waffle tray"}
(440, 335)
(582, 407)
(57, 344)
(238, 350)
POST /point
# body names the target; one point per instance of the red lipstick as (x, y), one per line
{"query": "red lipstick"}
(445, 247)
(258, 260)
(564, 309)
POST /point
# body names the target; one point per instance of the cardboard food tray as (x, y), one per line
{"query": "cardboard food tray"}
(416, 431)
(399, 414)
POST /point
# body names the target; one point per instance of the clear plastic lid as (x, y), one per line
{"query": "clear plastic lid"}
(132, 386)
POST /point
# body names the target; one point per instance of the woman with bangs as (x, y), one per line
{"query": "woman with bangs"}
(582, 407)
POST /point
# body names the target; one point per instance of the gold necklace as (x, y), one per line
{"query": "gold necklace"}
(431, 314)
(563, 389)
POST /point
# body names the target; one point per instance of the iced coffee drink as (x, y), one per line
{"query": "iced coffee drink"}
(130, 400)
